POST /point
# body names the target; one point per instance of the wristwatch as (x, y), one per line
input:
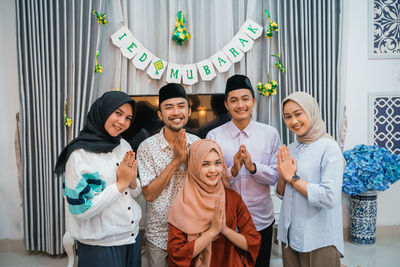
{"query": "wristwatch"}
(255, 169)
(295, 178)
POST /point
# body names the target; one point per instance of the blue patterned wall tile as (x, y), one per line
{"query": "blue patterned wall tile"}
(386, 27)
(387, 122)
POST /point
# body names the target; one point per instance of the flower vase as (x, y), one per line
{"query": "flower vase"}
(363, 217)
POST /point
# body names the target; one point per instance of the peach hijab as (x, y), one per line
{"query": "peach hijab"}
(193, 207)
(310, 106)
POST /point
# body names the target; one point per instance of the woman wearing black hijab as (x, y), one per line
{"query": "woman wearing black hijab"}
(100, 185)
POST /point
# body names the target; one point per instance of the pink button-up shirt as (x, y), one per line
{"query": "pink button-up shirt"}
(262, 141)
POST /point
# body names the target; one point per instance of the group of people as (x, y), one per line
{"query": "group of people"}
(208, 200)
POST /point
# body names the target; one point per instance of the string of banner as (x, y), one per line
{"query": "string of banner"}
(142, 58)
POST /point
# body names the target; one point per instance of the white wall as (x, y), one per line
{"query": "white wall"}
(360, 76)
(11, 226)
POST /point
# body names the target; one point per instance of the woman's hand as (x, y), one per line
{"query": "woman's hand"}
(224, 228)
(210, 235)
(286, 166)
(127, 171)
(216, 221)
(133, 183)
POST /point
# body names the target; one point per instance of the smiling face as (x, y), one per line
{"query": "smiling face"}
(211, 169)
(240, 103)
(120, 120)
(295, 118)
(175, 113)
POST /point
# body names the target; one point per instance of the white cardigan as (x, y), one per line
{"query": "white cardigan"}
(98, 213)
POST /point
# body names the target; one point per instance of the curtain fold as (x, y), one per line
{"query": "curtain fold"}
(309, 41)
(57, 43)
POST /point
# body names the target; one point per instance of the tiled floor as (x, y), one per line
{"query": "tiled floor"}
(385, 253)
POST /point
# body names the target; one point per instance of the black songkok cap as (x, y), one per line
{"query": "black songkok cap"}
(238, 81)
(171, 90)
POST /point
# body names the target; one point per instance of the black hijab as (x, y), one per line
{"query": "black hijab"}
(94, 137)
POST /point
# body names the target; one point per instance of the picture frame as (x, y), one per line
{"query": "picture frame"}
(383, 36)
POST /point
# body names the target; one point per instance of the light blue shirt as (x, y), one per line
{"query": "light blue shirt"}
(262, 142)
(306, 224)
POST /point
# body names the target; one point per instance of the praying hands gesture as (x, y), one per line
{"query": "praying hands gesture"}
(242, 157)
(287, 168)
(180, 148)
(286, 165)
(236, 238)
(218, 226)
(127, 172)
(217, 220)
(215, 228)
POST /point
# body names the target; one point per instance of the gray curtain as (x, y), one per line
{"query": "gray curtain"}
(56, 47)
(309, 42)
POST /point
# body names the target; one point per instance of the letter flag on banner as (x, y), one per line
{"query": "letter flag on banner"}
(121, 37)
(130, 48)
(206, 70)
(189, 75)
(156, 68)
(142, 58)
(221, 62)
(243, 41)
(234, 54)
(174, 73)
(252, 29)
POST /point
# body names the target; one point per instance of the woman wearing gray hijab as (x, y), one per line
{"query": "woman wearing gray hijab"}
(310, 172)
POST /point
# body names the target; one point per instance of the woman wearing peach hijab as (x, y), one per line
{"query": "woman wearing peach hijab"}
(310, 175)
(209, 225)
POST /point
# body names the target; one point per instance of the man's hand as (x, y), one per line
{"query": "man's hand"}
(237, 163)
(248, 164)
(180, 147)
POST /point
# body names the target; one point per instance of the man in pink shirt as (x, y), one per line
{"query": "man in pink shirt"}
(249, 149)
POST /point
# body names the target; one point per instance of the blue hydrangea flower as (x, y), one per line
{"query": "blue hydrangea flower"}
(369, 168)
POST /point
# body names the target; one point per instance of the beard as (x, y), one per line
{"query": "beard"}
(174, 128)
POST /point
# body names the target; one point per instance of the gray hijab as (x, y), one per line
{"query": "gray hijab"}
(310, 106)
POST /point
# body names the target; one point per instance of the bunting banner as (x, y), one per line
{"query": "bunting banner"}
(188, 74)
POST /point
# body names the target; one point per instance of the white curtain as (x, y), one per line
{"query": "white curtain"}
(212, 25)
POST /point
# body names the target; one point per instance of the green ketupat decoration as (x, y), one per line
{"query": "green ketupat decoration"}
(272, 26)
(268, 88)
(97, 67)
(180, 34)
(101, 19)
(158, 65)
(278, 64)
(67, 120)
